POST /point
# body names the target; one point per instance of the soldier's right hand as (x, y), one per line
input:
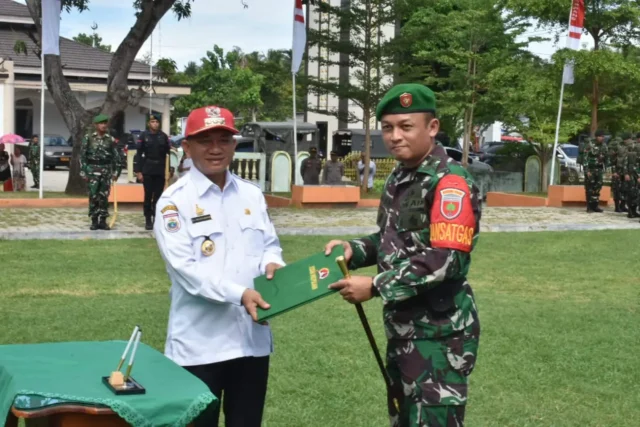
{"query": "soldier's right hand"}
(251, 300)
(348, 252)
(139, 176)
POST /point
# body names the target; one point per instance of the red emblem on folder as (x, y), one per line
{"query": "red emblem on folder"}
(323, 273)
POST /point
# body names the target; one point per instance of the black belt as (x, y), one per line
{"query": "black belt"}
(152, 161)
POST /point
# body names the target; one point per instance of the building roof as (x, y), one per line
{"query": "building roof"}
(75, 55)
(12, 8)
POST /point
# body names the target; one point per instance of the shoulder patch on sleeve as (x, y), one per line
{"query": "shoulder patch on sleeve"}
(452, 219)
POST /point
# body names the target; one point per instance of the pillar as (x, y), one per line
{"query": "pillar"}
(7, 99)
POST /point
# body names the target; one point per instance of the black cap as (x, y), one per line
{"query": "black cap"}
(599, 132)
(153, 116)
(334, 152)
(313, 149)
(626, 135)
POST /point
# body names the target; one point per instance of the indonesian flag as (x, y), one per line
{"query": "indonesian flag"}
(51, 27)
(299, 36)
(573, 41)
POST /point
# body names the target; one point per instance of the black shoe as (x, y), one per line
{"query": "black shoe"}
(148, 224)
(623, 206)
(103, 224)
(589, 207)
(94, 223)
(596, 208)
(631, 213)
(617, 203)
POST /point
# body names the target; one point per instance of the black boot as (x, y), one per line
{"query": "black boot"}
(617, 203)
(589, 207)
(631, 213)
(149, 223)
(623, 206)
(94, 223)
(596, 208)
(103, 224)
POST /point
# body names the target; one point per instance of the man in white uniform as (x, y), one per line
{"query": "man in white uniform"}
(215, 236)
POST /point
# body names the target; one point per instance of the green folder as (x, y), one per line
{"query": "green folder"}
(299, 283)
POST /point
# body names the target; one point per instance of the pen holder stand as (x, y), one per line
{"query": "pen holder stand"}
(130, 386)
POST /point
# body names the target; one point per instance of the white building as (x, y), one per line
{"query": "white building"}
(86, 68)
(329, 124)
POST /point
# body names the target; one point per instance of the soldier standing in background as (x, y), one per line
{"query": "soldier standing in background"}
(153, 147)
(631, 176)
(311, 167)
(429, 220)
(614, 148)
(34, 160)
(99, 164)
(595, 159)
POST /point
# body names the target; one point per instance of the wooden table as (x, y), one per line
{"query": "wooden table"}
(67, 415)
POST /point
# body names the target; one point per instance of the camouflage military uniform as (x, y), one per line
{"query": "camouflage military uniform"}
(614, 148)
(100, 163)
(34, 162)
(430, 315)
(631, 170)
(595, 160)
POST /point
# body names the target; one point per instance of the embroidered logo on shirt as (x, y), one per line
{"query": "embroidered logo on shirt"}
(171, 222)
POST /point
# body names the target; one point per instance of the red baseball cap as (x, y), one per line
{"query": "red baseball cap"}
(208, 118)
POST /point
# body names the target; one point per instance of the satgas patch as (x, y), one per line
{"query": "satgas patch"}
(171, 222)
(452, 219)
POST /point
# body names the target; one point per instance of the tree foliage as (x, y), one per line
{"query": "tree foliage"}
(254, 86)
(93, 40)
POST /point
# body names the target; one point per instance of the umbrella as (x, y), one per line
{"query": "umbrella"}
(11, 138)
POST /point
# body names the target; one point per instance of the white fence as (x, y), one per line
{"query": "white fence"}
(251, 166)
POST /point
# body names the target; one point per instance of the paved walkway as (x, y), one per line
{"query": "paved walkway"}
(74, 223)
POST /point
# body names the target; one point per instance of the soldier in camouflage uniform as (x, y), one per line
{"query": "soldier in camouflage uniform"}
(99, 164)
(34, 160)
(595, 160)
(614, 148)
(633, 152)
(429, 220)
(626, 160)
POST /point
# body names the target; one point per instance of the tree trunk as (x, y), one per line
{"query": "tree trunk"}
(118, 95)
(595, 95)
(594, 107)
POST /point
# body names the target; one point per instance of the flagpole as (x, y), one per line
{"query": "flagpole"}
(295, 133)
(555, 143)
(42, 88)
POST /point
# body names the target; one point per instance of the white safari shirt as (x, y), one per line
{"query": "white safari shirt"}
(207, 322)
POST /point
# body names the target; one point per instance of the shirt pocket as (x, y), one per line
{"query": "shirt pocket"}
(200, 231)
(253, 232)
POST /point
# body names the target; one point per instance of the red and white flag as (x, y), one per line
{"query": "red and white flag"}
(299, 36)
(576, 26)
(51, 27)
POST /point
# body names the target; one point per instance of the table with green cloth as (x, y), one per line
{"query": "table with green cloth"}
(34, 375)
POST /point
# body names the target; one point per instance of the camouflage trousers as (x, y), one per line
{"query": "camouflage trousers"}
(99, 188)
(630, 189)
(429, 379)
(593, 185)
(35, 171)
(616, 188)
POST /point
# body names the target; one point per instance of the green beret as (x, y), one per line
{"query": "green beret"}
(407, 98)
(101, 118)
(626, 135)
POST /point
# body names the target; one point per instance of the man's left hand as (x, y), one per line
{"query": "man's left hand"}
(271, 269)
(356, 289)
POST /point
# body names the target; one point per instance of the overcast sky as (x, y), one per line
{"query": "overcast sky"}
(264, 25)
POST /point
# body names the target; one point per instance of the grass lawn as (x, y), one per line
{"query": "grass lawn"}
(36, 194)
(559, 314)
